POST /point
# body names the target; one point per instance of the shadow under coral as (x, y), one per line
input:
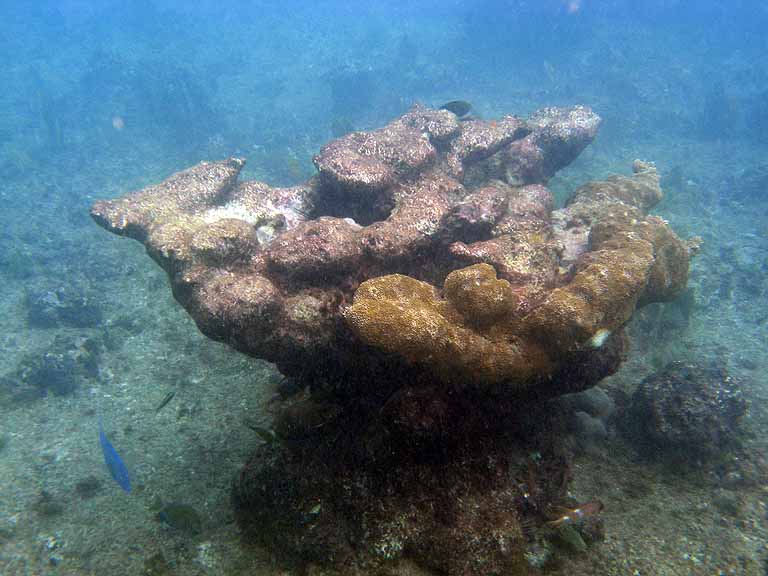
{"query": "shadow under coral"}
(453, 478)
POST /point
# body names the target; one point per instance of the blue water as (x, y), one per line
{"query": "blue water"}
(102, 98)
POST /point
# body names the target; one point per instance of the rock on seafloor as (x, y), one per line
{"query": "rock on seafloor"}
(691, 410)
(427, 299)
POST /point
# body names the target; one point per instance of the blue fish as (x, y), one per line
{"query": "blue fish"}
(117, 467)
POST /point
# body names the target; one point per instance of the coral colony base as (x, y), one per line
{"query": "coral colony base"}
(424, 300)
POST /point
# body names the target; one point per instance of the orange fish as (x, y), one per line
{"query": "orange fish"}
(575, 515)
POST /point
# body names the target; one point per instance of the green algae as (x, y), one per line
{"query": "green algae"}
(88, 487)
(569, 539)
(156, 565)
(181, 517)
(47, 506)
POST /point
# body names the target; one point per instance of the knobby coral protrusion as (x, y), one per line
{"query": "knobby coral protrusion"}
(470, 336)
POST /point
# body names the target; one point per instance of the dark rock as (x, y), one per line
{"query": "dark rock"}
(458, 508)
(62, 306)
(88, 487)
(689, 409)
(46, 505)
(52, 372)
(57, 371)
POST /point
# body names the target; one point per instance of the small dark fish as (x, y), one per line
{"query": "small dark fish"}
(458, 107)
(164, 403)
(117, 468)
(265, 434)
(575, 515)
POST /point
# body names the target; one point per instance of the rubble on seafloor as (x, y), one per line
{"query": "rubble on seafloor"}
(426, 299)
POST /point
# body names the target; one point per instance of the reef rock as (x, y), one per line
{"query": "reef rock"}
(426, 294)
(688, 410)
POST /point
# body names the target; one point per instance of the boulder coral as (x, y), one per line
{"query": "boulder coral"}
(426, 297)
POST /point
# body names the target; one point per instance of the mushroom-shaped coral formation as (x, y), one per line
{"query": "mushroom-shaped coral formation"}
(429, 297)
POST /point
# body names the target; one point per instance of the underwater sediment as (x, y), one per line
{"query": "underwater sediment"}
(425, 300)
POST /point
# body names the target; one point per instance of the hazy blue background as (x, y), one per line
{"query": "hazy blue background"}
(101, 98)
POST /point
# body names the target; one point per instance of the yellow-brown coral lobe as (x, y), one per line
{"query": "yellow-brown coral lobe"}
(478, 296)
(468, 336)
(474, 333)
